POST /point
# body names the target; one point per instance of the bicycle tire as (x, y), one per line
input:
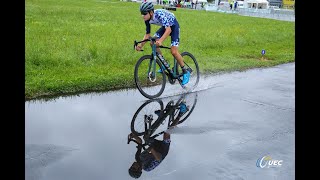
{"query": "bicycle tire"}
(190, 62)
(185, 116)
(145, 85)
(134, 120)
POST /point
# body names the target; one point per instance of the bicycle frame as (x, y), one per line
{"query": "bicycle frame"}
(172, 74)
(149, 131)
(147, 140)
(168, 111)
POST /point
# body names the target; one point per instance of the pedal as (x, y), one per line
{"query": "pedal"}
(171, 81)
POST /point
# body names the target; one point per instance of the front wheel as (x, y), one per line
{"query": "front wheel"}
(191, 64)
(149, 82)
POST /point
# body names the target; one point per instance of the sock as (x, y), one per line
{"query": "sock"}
(184, 69)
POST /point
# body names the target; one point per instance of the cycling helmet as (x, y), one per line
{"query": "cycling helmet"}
(134, 173)
(146, 7)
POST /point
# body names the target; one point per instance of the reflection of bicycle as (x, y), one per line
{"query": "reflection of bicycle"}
(144, 121)
(146, 77)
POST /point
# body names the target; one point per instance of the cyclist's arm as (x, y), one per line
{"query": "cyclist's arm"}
(137, 155)
(166, 135)
(146, 36)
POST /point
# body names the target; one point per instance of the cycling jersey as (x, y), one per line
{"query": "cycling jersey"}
(148, 160)
(165, 18)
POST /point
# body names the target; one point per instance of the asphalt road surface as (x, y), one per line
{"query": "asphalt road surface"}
(242, 126)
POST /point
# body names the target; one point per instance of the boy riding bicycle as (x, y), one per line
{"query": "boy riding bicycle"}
(169, 27)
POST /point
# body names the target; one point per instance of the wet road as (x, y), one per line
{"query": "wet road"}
(238, 118)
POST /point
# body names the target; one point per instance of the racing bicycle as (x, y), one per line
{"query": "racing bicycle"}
(152, 114)
(150, 83)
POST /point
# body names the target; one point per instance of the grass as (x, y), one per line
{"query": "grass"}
(74, 46)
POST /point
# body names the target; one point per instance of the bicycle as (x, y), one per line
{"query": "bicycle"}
(146, 125)
(145, 73)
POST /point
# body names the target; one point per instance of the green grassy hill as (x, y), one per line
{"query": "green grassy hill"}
(74, 46)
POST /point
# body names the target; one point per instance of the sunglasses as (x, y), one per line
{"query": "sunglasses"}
(144, 13)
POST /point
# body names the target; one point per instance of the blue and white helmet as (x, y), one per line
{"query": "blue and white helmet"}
(146, 7)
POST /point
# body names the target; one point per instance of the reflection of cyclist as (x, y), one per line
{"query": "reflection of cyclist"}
(151, 157)
(169, 27)
(157, 150)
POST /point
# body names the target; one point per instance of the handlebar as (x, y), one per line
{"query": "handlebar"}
(148, 140)
(153, 39)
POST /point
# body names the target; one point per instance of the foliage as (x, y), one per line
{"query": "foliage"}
(74, 46)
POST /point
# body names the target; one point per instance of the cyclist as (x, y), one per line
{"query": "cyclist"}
(151, 157)
(169, 27)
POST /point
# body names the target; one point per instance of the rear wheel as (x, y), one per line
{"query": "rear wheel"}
(149, 82)
(190, 100)
(191, 64)
(146, 111)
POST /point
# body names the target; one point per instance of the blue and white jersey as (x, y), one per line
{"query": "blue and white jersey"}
(150, 162)
(161, 17)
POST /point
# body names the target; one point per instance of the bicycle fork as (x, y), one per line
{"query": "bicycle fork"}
(152, 73)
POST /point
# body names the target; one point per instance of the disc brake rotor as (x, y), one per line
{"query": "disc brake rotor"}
(152, 77)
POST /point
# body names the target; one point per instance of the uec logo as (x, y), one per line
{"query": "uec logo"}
(267, 161)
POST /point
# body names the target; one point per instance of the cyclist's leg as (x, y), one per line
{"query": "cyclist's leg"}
(175, 40)
(183, 109)
(159, 34)
(173, 125)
